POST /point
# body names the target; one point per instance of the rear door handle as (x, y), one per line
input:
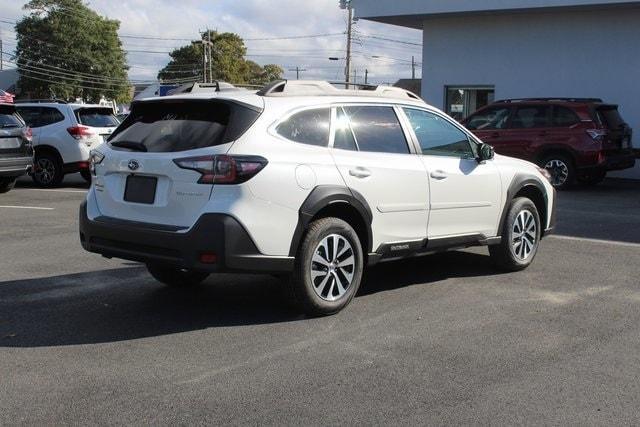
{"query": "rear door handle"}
(439, 175)
(360, 172)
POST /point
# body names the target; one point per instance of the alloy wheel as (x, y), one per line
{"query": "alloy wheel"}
(45, 170)
(559, 171)
(332, 267)
(524, 235)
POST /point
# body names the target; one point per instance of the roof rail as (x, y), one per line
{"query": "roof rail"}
(195, 87)
(550, 99)
(284, 88)
(39, 101)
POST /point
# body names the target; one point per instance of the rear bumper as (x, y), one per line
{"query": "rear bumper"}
(614, 162)
(217, 234)
(15, 166)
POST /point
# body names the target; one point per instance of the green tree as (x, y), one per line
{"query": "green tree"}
(66, 50)
(228, 62)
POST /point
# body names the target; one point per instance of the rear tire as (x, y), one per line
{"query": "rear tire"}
(560, 166)
(176, 277)
(592, 178)
(6, 184)
(521, 233)
(47, 170)
(328, 268)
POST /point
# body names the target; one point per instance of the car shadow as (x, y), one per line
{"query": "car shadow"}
(71, 181)
(126, 303)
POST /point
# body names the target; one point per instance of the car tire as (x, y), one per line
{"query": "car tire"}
(328, 268)
(592, 178)
(176, 277)
(521, 232)
(86, 175)
(47, 170)
(561, 168)
(7, 184)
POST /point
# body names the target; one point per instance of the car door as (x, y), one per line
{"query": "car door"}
(375, 160)
(529, 126)
(490, 125)
(465, 193)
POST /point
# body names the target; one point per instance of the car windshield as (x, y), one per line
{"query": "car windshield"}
(97, 117)
(178, 125)
(9, 118)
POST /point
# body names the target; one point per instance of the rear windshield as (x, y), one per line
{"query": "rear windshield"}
(610, 117)
(167, 126)
(9, 118)
(97, 117)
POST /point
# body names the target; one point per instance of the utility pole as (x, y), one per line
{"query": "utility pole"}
(366, 76)
(346, 4)
(206, 55)
(298, 70)
(413, 67)
(1, 55)
(209, 48)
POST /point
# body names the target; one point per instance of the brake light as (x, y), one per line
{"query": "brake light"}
(80, 132)
(27, 134)
(223, 169)
(597, 134)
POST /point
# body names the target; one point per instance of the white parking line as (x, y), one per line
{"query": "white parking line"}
(54, 191)
(27, 207)
(602, 242)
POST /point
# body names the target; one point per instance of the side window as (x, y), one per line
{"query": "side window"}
(344, 136)
(30, 115)
(439, 137)
(377, 129)
(531, 117)
(489, 119)
(309, 127)
(36, 117)
(564, 117)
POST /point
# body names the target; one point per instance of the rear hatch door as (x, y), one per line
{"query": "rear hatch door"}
(139, 179)
(619, 133)
(101, 120)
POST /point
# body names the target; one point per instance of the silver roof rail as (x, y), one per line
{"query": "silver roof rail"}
(283, 88)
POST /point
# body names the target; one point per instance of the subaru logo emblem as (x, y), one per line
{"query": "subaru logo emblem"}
(133, 165)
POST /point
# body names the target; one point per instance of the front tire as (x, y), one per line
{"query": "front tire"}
(176, 277)
(561, 169)
(6, 184)
(521, 233)
(328, 268)
(47, 170)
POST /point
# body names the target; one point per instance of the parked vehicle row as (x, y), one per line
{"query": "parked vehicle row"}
(306, 181)
(576, 140)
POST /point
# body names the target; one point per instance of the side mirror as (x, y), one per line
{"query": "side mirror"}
(486, 152)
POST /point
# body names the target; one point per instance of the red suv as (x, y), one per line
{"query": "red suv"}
(575, 139)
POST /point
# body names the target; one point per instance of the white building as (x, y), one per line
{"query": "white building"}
(477, 51)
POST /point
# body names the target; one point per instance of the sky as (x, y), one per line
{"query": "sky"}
(386, 61)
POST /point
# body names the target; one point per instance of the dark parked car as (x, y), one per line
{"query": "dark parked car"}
(574, 139)
(16, 153)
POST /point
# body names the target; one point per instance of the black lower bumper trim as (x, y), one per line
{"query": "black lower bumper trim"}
(149, 243)
(14, 167)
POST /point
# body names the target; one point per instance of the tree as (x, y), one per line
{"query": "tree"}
(66, 50)
(228, 62)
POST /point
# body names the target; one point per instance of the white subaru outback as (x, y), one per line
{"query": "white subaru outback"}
(306, 181)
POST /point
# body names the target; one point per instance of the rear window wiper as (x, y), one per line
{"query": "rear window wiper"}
(136, 146)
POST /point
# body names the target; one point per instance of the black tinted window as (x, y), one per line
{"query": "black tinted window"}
(9, 118)
(377, 129)
(491, 118)
(344, 137)
(610, 117)
(97, 117)
(183, 125)
(564, 117)
(437, 136)
(309, 127)
(40, 116)
(531, 117)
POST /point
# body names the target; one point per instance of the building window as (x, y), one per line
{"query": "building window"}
(462, 101)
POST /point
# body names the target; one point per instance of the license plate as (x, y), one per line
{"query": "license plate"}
(140, 189)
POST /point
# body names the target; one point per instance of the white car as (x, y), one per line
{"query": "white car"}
(307, 181)
(63, 136)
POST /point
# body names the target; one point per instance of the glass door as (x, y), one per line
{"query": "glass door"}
(462, 101)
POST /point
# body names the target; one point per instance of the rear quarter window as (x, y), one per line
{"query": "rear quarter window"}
(310, 127)
(610, 117)
(36, 117)
(169, 126)
(564, 117)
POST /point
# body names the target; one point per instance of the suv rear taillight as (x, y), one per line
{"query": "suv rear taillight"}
(80, 132)
(223, 169)
(597, 134)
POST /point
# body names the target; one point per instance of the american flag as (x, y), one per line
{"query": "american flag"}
(6, 97)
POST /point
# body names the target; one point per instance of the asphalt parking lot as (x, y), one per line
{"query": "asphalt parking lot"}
(438, 340)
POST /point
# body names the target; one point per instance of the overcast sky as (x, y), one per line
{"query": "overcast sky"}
(253, 19)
